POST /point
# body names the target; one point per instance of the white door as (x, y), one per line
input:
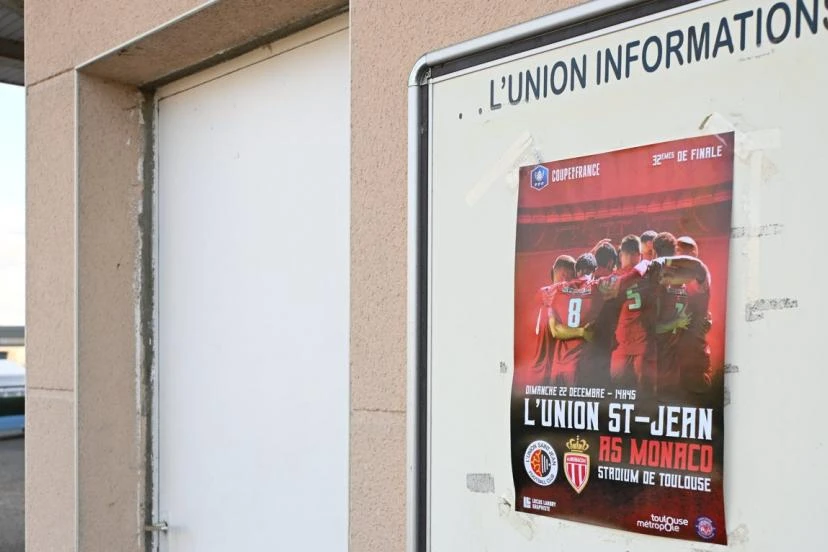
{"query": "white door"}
(252, 300)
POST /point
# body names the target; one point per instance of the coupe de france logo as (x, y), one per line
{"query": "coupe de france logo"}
(541, 463)
(576, 463)
(540, 178)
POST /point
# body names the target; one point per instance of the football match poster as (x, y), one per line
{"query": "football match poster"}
(620, 305)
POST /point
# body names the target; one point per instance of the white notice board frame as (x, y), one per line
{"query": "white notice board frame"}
(569, 26)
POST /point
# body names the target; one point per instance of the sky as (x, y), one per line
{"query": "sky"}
(12, 205)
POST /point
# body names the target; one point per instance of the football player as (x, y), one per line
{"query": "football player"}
(605, 257)
(647, 250)
(575, 306)
(603, 341)
(563, 270)
(685, 245)
(585, 265)
(693, 352)
(633, 362)
(671, 319)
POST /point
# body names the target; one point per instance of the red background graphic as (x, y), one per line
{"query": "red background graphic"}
(629, 197)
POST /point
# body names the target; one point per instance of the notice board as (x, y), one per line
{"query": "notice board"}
(614, 336)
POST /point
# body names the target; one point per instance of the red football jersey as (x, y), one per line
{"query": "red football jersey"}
(544, 301)
(545, 294)
(636, 318)
(693, 340)
(672, 302)
(575, 304)
(607, 320)
(544, 342)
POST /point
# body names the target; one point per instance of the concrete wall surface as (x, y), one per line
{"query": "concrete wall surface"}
(387, 38)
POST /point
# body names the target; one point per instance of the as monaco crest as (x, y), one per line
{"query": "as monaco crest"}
(576, 463)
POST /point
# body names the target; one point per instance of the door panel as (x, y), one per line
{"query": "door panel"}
(253, 278)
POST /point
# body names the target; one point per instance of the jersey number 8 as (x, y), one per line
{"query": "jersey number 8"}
(574, 318)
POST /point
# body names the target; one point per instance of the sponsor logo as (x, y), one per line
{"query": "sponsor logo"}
(540, 178)
(663, 524)
(541, 463)
(530, 503)
(705, 528)
(576, 463)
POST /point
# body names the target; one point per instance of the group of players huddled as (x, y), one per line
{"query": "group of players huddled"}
(635, 317)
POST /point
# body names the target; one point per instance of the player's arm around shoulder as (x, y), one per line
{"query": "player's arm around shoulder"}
(564, 332)
(680, 269)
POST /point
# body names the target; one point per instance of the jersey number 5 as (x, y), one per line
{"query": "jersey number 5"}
(574, 318)
(635, 297)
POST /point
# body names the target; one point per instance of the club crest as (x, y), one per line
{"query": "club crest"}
(576, 463)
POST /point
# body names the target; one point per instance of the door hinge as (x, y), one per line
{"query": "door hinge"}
(158, 527)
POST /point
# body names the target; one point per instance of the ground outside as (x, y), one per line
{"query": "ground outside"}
(11, 493)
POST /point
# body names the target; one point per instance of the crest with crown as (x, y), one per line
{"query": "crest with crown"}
(577, 444)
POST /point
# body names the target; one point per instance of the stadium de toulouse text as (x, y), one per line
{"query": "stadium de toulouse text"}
(778, 23)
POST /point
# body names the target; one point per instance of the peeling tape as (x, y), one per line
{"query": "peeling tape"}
(520, 523)
(756, 231)
(480, 482)
(755, 309)
(746, 141)
(740, 535)
(521, 152)
(749, 148)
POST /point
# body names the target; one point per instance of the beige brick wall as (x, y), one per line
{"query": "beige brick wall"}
(59, 36)
(387, 38)
(110, 407)
(62, 34)
(50, 308)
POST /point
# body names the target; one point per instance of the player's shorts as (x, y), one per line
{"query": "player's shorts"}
(634, 371)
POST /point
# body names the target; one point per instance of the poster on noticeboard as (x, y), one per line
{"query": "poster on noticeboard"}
(607, 284)
(620, 283)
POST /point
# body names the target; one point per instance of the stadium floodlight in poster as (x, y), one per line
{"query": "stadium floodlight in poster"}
(620, 283)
